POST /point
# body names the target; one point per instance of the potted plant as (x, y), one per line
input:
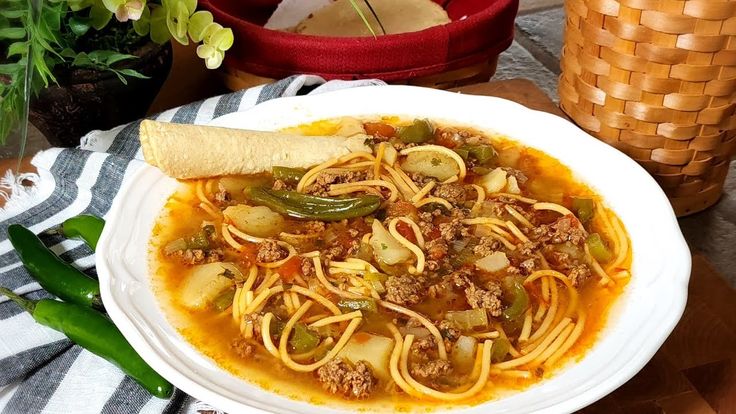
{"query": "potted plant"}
(94, 63)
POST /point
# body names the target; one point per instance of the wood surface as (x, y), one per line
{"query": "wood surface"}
(695, 370)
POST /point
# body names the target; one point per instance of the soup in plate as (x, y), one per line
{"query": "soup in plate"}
(440, 266)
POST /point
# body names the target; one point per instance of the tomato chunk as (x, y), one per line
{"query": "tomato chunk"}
(379, 129)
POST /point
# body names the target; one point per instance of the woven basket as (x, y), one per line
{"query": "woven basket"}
(657, 80)
(461, 52)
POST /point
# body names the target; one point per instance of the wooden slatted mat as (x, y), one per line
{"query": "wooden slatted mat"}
(695, 370)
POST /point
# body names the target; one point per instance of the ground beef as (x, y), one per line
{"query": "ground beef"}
(559, 260)
(405, 290)
(513, 172)
(338, 377)
(431, 370)
(428, 229)
(222, 198)
(454, 193)
(579, 274)
(279, 185)
(269, 251)
(313, 227)
(486, 246)
(420, 179)
(528, 249)
(436, 249)
(242, 348)
(432, 265)
(489, 300)
(398, 145)
(528, 266)
(424, 347)
(307, 267)
(321, 185)
(566, 228)
(453, 230)
(461, 278)
(449, 330)
(198, 256)
(339, 252)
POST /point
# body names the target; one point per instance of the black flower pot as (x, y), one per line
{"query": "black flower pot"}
(85, 99)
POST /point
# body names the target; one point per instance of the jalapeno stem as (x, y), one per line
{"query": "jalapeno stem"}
(27, 304)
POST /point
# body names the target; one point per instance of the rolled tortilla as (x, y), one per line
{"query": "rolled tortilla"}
(193, 151)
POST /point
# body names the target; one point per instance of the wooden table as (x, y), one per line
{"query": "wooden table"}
(695, 370)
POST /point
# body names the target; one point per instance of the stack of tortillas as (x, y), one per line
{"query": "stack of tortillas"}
(340, 19)
(193, 151)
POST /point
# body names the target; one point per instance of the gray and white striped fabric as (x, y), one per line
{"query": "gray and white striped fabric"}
(41, 370)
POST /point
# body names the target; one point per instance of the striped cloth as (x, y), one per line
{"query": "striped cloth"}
(41, 370)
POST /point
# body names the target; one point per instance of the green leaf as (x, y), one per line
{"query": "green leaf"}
(142, 26)
(13, 13)
(77, 5)
(118, 57)
(133, 73)
(82, 59)
(121, 77)
(177, 19)
(222, 39)
(12, 33)
(191, 6)
(209, 31)
(79, 25)
(198, 22)
(99, 17)
(159, 29)
(51, 16)
(112, 5)
(10, 68)
(17, 48)
(68, 53)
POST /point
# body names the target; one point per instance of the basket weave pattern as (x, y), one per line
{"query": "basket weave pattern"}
(657, 80)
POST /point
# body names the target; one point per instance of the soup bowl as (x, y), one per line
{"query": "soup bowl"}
(638, 323)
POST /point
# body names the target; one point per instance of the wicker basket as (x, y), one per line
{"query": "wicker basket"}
(657, 80)
(461, 52)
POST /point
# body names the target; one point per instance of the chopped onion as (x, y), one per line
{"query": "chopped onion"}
(512, 186)
(390, 155)
(493, 262)
(463, 353)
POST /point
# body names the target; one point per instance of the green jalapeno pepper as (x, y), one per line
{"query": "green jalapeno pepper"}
(584, 208)
(53, 274)
(311, 207)
(84, 226)
(96, 333)
(519, 298)
(421, 130)
(597, 248)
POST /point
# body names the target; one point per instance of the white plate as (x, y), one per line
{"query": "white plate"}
(639, 323)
